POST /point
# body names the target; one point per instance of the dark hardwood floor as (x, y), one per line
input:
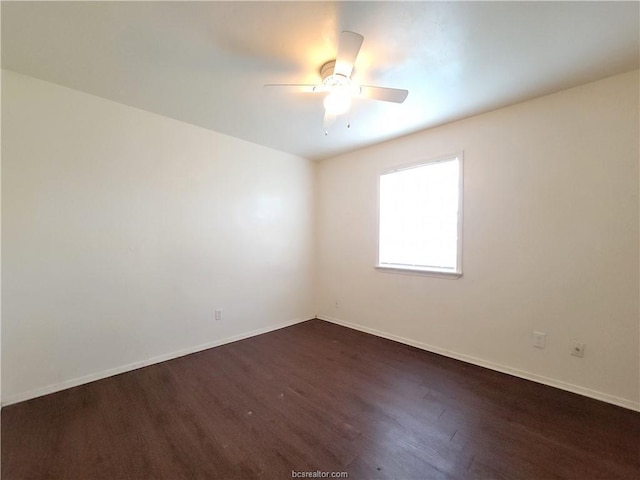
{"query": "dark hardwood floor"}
(317, 397)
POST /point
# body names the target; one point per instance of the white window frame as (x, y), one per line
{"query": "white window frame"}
(420, 270)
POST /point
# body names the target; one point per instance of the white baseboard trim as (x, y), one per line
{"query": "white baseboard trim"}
(605, 397)
(38, 392)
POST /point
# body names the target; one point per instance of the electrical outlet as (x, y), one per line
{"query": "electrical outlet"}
(539, 339)
(218, 314)
(577, 348)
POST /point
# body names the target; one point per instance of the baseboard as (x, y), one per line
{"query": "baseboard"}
(622, 402)
(605, 397)
(38, 392)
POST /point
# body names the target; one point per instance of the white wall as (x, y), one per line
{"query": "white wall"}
(124, 230)
(0, 252)
(550, 242)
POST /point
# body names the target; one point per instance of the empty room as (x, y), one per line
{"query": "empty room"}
(280, 240)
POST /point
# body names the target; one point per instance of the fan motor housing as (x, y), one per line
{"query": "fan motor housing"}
(335, 81)
(326, 70)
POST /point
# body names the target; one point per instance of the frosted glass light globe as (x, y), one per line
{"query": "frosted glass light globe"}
(337, 102)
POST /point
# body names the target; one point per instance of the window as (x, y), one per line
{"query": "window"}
(420, 223)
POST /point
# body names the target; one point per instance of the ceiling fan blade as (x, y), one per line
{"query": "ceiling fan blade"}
(327, 121)
(348, 49)
(395, 95)
(294, 88)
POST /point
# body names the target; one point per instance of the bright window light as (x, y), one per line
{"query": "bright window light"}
(421, 217)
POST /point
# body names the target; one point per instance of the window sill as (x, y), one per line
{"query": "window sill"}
(426, 272)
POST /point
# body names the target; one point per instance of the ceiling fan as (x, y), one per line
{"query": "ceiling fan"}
(337, 85)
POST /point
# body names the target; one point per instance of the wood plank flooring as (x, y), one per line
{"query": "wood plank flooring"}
(317, 397)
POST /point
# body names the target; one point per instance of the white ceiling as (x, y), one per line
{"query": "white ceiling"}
(206, 62)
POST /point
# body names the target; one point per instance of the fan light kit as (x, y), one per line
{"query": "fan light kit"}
(339, 90)
(337, 85)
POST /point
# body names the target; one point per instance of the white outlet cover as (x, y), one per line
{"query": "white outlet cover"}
(577, 349)
(539, 339)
